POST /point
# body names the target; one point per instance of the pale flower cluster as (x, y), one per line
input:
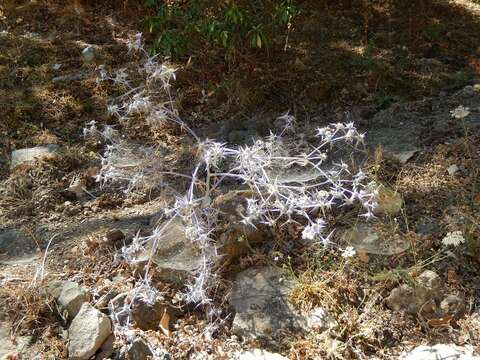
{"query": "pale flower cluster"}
(453, 238)
(460, 112)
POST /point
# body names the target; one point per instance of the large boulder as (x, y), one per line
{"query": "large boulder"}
(260, 299)
(440, 351)
(87, 332)
(69, 296)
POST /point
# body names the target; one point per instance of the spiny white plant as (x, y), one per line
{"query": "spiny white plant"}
(286, 185)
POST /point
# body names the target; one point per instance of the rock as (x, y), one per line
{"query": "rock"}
(112, 237)
(88, 54)
(236, 239)
(176, 257)
(402, 298)
(69, 78)
(452, 305)
(23, 156)
(320, 319)
(9, 349)
(138, 349)
(145, 314)
(421, 298)
(429, 282)
(452, 169)
(15, 243)
(69, 296)
(426, 226)
(389, 202)
(440, 351)
(365, 238)
(107, 348)
(88, 331)
(403, 156)
(258, 354)
(260, 299)
(104, 300)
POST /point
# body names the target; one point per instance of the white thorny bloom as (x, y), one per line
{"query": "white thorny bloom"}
(453, 238)
(313, 230)
(460, 112)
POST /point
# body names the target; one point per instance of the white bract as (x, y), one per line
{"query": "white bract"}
(460, 112)
(324, 180)
(453, 238)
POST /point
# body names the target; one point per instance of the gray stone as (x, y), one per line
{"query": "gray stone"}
(176, 258)
(364, 238)
(402, 298)
(107, 348)
(452, 169)
(258, 354)
(260, 299)
(138, 350)
(320, 319)
(69, 296)
(440, 352)
(8, 348)
(404, 155)
(14, 243)
(453, 305)
(88, 331)
(426, 226)
(430, 281)
(88, 54)
(145, 314)
(236, 238)
(22, 156)
(420, 298)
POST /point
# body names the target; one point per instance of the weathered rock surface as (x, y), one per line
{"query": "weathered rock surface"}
(8, 349)
(145, 314)
(69, 295)
(176, 257)
(422, 298)
(364, 237)
(15, 243)
(106, 350)
(440, 352)
(320, 319)
(260, 299)
(88, 54)
(87, 332)
(22, 156)
(236, 239)
(137, 350)
(258, 354)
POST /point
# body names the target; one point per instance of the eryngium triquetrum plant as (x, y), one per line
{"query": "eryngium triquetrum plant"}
(289, 183)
